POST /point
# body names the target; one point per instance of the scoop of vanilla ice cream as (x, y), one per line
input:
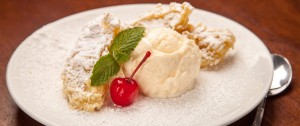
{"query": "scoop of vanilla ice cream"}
(172, 67)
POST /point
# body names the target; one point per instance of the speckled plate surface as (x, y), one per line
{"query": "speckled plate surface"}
(221, 96)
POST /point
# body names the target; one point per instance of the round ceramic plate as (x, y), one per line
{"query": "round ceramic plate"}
(222, 95)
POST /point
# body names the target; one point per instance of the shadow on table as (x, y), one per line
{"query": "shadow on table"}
(248, 119)
(24, 120)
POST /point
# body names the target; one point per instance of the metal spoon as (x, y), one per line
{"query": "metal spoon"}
(282, 77)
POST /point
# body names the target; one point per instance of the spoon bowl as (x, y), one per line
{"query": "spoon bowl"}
(282, 75)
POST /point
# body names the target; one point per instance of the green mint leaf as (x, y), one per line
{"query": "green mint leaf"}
(125, 42)
(104, 69)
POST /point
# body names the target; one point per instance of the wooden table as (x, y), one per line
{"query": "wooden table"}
(276, 22)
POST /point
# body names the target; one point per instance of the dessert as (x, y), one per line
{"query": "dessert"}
(108, 50)
(175, 16)
(92, 44)
(214, 43)
(172, 68)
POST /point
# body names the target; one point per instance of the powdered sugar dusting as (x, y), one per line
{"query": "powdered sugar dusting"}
(219, 93)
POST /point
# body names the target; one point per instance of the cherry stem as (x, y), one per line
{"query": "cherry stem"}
(148, 53)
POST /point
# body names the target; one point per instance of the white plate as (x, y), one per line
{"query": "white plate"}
(222, 95)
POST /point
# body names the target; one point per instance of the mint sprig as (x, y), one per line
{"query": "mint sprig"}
(109, 65)
(104, 68)
(125, 42)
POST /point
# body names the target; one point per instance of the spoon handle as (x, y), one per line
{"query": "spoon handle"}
(260, 113)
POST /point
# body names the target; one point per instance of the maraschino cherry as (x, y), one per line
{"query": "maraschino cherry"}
(124, 90)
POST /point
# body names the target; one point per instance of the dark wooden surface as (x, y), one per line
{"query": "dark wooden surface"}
(276, 22)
